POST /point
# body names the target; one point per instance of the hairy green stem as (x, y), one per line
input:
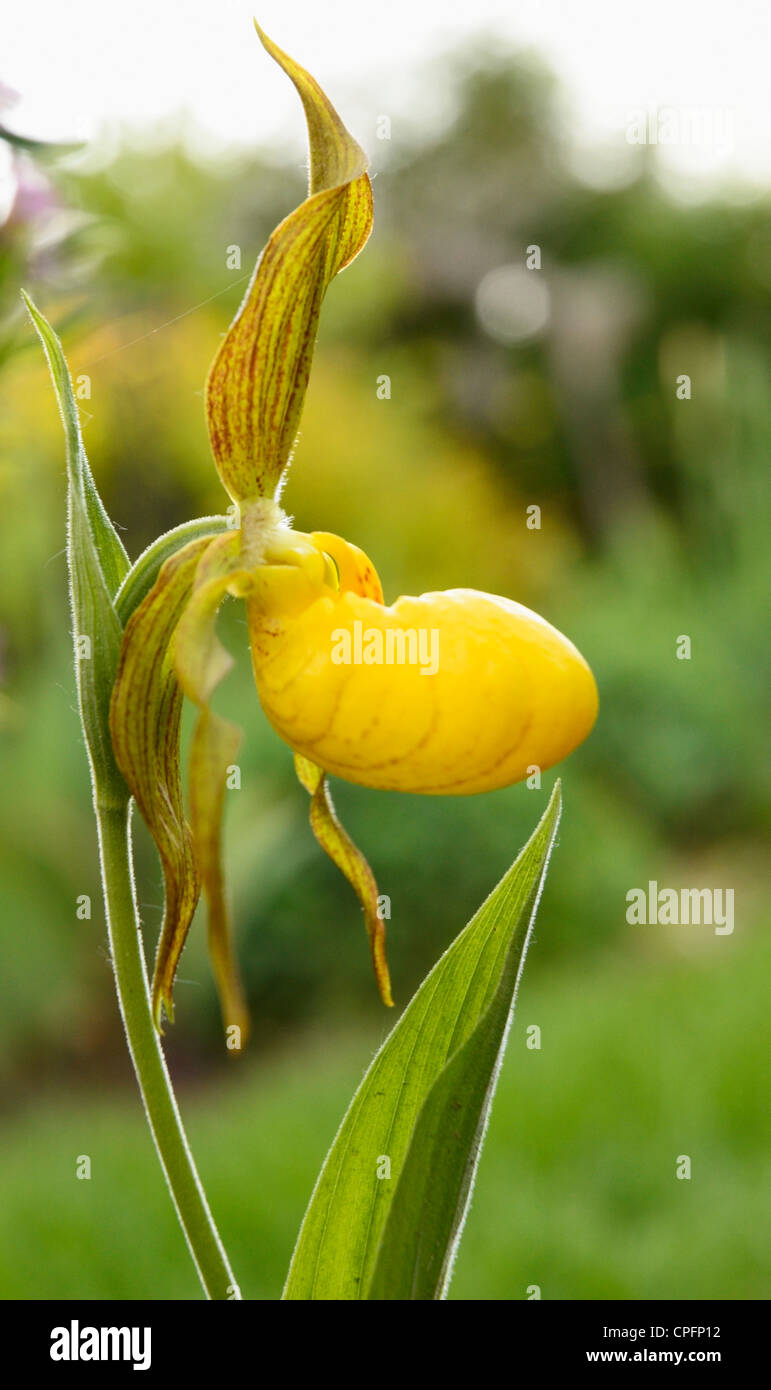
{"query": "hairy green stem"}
(206, 1248)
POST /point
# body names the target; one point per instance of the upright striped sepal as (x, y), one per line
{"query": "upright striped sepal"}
(257, 383)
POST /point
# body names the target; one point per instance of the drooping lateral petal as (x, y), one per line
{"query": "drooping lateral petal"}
(257, 382)
(145, 714)
(201, 662)
(336, 842)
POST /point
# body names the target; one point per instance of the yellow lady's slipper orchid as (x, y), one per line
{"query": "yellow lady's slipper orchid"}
(454, 692)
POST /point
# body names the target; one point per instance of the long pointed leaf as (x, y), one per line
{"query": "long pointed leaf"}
(426, 1216)
(432, 1080)
(113, 560)
(97, 564)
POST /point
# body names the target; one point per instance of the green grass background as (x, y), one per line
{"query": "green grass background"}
(577, 1191)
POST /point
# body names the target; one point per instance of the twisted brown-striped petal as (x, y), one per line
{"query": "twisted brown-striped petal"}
(201, 662)
(335, 842)
(145, 714)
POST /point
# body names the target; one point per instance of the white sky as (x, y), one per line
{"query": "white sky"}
(82, 64)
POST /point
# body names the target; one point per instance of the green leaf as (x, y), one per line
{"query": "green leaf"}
(423, 1104)
(110, 552)
(97, 565)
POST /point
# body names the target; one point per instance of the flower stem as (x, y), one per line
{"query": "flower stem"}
(206, 1248)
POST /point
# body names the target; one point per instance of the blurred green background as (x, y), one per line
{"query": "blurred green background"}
(509, 387)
